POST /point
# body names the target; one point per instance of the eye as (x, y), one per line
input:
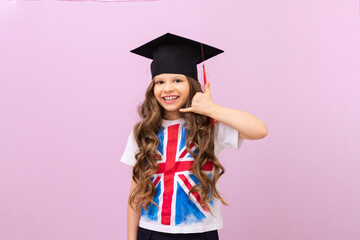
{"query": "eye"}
(158, 82)
(178, 80)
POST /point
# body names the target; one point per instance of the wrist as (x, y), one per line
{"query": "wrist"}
(212, 110)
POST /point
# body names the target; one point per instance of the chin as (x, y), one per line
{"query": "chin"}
(172, 109)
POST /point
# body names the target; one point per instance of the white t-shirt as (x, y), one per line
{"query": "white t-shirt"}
(177, 213)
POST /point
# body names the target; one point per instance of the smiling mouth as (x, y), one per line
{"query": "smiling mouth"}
(170, 99)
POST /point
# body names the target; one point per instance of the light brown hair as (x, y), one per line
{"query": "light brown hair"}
(200, 133)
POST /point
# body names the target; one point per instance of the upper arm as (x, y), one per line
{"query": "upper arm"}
(133, 185)
(246, 137)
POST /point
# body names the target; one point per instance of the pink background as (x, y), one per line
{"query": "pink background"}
(69, 88)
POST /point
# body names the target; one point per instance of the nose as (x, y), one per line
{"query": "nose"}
(168, 87)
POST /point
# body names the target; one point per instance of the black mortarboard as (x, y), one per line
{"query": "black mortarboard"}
(175, 54)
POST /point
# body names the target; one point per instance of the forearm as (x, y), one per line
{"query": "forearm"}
(133, 217)
(246, 123)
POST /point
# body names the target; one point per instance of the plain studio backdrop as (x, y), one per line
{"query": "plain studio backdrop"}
(69, 89)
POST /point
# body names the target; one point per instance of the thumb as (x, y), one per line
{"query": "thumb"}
(207, 88)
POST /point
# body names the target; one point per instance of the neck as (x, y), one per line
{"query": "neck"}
(173, 115)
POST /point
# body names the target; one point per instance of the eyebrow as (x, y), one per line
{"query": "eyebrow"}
(160, 78)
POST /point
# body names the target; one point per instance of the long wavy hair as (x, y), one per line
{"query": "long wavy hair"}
(200, 133)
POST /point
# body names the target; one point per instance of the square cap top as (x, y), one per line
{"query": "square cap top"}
(175, 54)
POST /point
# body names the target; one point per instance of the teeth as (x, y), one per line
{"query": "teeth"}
(169, 98)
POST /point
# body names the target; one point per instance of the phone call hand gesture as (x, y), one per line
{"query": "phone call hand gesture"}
(201, 102)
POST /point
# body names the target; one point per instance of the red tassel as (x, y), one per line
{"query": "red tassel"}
(204, 75)
(202, 57)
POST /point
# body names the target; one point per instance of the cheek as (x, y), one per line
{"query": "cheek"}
(157, 96)
(186, 91)
(156, 92)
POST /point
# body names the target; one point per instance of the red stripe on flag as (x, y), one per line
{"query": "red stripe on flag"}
(170, 172)
(183, 166)
(185, 151)
(156, 181)
(189, 186)
(209, 165)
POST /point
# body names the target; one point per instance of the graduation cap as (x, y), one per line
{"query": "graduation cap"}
(175, 54)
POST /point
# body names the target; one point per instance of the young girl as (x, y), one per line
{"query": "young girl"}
(174, 148)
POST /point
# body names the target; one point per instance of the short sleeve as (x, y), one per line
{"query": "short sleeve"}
(226, 137)
(131, 149)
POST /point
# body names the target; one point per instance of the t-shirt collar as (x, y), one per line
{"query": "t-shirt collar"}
(166, 123)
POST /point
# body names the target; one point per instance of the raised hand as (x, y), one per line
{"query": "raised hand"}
(201, 102)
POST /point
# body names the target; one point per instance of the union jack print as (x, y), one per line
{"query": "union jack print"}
(173, 180)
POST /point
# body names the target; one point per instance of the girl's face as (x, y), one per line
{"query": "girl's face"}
(171, 91)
